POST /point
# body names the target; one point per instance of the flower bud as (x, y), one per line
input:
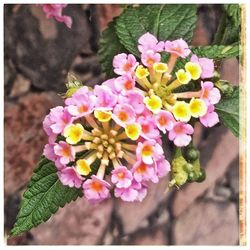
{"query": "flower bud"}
(192, 176)
(201, 176)
(192, 154)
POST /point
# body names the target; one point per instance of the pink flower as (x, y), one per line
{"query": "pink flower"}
(209, 94)
(210, 118)
(123, 114)
(149, 151)
(121, 177)
(142, 192)
(149, 42)
(55, 10)
(124, 83)
(206, 64)
(143, 172)
(59, 118)
(126, 194)
(164, 121)
(96, 189)
(46, 127)
(110, 83)
(149, 57)
(124, 64)
(162, 167)
(177, 47)
(106, 100)
(48, 152)
(65, 152)
(59, 165)
(180, 134)
(136, 192)
(69, 177)
(81, 103)
(135, 99)
(148, 127)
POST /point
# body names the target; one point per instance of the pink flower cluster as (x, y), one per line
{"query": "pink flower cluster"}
(125, 86)
(55, 11)
(129, 182)
(119, 123)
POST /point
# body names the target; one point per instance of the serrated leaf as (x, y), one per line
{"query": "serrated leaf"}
(229, 26)
(43, 197)
(233, 11)
(109, 46)
(228, 111)
(217, 52)
(129, 27)
(170, 21)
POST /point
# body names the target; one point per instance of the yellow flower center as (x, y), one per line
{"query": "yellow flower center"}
(160, 67)
(183, 76)
(147, 150)
(153, 103)
(133, 131)
(181, 111)
(197, 107)
(73, 133)
(103, 116)
(82, 167)
(194, 69)
(141, 72)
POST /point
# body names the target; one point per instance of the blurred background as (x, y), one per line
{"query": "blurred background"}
(38, 53)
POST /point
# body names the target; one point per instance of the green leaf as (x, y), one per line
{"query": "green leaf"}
(228, 111)
(229, 26)
(43, 197)
(129, 27)
(169, 21)
(233, 11)
(217, 52)
(109, 47)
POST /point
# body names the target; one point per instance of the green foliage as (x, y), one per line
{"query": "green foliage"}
(109, 46)
(233, 12)
(228, 111)
(217, 52)
(164, 21)
(129, 27)
(229, 27)
(43, 197)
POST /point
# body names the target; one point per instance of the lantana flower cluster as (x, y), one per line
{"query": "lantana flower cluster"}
(108, 139)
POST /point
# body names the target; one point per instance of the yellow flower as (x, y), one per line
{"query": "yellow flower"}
(103, 116)
(73, 133)
(197, 107)
(160, 67)
(194, 69)
(141, 72)
(153, 103)
(83, 167)
(183, 76)
(133, 131)
(181, 111)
